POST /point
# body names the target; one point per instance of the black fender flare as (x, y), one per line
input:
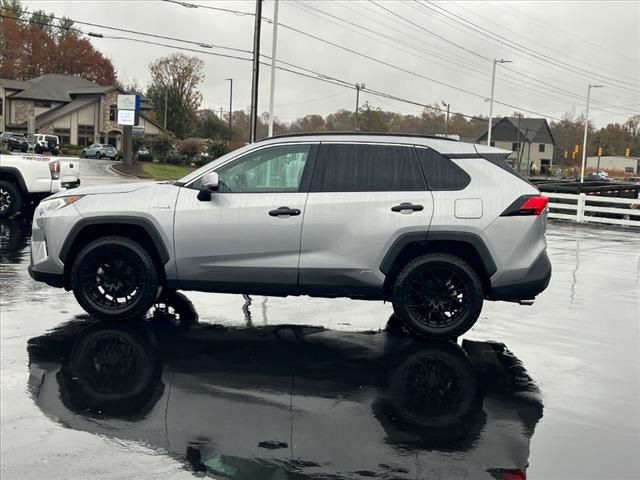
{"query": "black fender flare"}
(14, 172)
(474, 240)
(146, 224)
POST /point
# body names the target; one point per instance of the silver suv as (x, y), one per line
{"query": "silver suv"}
(433, 225)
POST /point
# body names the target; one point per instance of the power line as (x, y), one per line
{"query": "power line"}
(521, 48)
(517, 84)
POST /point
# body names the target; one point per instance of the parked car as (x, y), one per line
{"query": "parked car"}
(46, 144)
(5, 136)
(17, 142)
(99, 150)
(433, 225)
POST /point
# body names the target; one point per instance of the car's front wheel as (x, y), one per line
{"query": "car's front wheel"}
(437, 296)
(83, 154)
(98, 155)
(115, 278)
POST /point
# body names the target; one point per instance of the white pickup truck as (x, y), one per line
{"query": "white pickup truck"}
(27, 179)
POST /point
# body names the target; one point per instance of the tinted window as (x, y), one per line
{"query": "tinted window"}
(440, 172)
(366, 168)
(272, 169)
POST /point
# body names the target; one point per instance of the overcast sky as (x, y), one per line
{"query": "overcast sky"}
(436, 51)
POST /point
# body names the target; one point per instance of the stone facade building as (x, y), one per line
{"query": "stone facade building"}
(78, 111)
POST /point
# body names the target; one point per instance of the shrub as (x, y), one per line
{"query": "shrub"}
(161, 146)
(145, 157)
(190, 147)
(216, 149)
(176, 159)
(72, 150)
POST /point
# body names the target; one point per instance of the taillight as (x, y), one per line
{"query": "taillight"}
(54, 170)
(527, 205)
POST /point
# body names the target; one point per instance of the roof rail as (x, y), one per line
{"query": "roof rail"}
(386, 134)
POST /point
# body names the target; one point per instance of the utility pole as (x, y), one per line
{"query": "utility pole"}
(359, 86)
(586, 127)
(166, 103)
(446, 128)
(230, 80)
(493, 84)
(274, 47)
(256, 73)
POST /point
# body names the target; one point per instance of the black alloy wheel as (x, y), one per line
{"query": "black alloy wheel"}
(10, 199)
(438, 296)
(114, 278)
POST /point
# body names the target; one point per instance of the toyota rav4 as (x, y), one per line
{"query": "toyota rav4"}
(433, 225)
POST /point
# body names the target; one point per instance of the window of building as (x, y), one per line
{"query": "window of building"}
(441, 173)
(1, 105)
(113, 113)
(275, 169)
(515, 146)
(85, 135)
(41, 104)
(493, 144)
(541, 147)
(366, 168)
(629, 170)
(64, 134)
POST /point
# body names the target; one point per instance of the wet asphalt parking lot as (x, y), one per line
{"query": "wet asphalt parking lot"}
(279, 388)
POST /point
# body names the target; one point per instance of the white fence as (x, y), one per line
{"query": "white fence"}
(584, 208)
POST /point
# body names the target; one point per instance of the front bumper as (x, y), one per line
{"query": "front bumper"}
(533, 283)
(52, 279)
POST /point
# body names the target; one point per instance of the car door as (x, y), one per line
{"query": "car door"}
(362, 198)
(246, 239)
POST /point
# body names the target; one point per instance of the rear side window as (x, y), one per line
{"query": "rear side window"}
(366, 168)
(441, 173)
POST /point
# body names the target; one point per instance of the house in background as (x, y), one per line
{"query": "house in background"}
(78, 111)
(529, 139)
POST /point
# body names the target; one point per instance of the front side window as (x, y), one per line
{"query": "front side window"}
(366, 168)
(268, 170)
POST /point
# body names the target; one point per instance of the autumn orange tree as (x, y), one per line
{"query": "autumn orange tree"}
(33, 44)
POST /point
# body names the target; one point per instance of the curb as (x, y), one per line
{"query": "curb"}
(120, 174)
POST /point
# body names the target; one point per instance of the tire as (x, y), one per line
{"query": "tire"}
(98, 155)
(83, 154)
(173, 308)
(10, 148)
(114, 278)
(55, 152)
(10, 199)
(38, 149)
(437, 296)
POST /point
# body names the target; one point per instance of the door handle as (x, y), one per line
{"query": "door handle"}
(407, 206)
(284, 211)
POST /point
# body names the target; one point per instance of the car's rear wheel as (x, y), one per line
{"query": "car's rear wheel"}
(10, 199)
(437, 296)
(38, 149)
(98, 155)
(115, 278)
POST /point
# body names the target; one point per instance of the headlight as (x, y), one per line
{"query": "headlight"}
(56, 203)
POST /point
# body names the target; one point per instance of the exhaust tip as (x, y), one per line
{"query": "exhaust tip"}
(526, 302)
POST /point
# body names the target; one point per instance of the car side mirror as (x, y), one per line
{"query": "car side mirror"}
(209, 184)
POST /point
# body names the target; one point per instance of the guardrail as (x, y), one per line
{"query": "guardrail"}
(583, 208)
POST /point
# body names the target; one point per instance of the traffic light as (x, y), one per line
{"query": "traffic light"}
(627, 152)
(599, 151)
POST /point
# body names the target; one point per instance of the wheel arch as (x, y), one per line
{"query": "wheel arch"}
(13, 175)
(467, 246)
(139, 230)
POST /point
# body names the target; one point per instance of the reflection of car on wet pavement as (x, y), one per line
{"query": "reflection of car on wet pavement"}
(432, 225)
(292, 401)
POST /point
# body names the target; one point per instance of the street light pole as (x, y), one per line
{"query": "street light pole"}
(230, 80)
(256, 73)
(274, 47)
(493, 84)
(359, 86)
(586, 127)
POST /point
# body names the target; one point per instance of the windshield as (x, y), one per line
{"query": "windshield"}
(205, 168)
(49, 138)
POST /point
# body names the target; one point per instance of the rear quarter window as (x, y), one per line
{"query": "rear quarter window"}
(440, 172)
